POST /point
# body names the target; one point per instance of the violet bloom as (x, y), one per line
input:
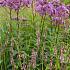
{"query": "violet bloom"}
(68, 7)
(2, 3)
(62, 8)
(42, 2)
(13, 4)
(41, 7)
(60, 14)
(62, 11)
(56, 3)
(54, 13)
(26, 2)
(49, 8)
(58, 20)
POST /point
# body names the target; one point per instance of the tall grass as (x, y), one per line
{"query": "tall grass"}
(32, 42)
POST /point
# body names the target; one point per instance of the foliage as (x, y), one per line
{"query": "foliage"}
(33, 41)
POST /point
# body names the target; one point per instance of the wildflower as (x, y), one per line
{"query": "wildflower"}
(68, 7)
(41, 7)
(58, 20)
(2, 3)
(56, 3)
(54, 13)
(61, 55)
(56, 0)
(63, 11)
(33, 58)
(49, 8)
(13, 4)
(26, 2)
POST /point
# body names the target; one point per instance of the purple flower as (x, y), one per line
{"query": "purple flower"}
(13, 4)
(68, 7)
(62, 11)
(58, 20)
(26, 2)
(41, 7)
(56, 3)
(42, 2)
(2, 3)
(49, 8)
(62, 8)
(54, 13)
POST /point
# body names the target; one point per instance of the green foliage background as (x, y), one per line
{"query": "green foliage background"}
(25, 40)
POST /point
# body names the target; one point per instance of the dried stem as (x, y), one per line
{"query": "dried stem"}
(33, 59)
(51, 63)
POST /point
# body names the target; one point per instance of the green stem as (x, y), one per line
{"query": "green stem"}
(4, 62)
(42, 30)
(57, 59)
(10, 13)
(12, 41)
(0, 52)
(33, 12)
(42, 21)
(51, 41)
(42, 58)
(18, 38)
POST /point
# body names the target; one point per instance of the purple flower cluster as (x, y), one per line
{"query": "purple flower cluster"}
(41, 6)
(2, 2)
(55, 9)
(61, 14)
(26, 2)
(15, 4)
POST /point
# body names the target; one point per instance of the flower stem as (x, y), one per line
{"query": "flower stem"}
(10, 13)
